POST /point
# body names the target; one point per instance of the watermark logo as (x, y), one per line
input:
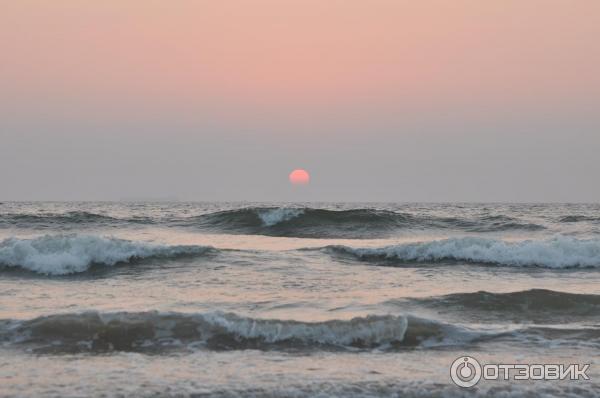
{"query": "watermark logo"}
(467, 371)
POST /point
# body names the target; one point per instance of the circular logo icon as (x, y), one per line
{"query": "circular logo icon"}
(465, 371)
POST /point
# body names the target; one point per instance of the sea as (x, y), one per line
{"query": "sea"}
(116, 299)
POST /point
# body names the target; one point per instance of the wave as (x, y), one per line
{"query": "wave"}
(281, 221)
(530, 300)
(534, 305)
(354, 223)
(157, 332)
(300, 222)
(68, 254)
(79, 218)
(492, 223)
(558, 252)
(147, 331)
(578, 218)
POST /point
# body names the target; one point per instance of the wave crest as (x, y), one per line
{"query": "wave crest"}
(271, 217)
(300, 222)
(67, 254)
(352, 223)
(282, 221)
(141, 331)
(158, 332)
(559, 252)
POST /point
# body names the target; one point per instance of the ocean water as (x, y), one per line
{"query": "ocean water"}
(294, 300)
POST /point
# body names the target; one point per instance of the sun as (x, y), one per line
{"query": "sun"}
(299, 177)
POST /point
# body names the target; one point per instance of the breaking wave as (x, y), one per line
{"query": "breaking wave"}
(300, 222)
(558, 252)
(354, 223)
(281, 221)
(68, 254)
(142, 331)
(157, 332)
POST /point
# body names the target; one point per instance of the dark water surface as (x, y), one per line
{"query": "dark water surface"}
(254, 299)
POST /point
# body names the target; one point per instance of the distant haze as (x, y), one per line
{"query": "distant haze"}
(380, 100)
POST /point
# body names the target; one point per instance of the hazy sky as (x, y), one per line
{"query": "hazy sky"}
(380, 100)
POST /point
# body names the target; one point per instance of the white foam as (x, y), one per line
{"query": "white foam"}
(271, 217)
(66, 254)
(558, 252)
(205, 329)
(372, 330)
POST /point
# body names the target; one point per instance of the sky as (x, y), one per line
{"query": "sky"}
(380, 100)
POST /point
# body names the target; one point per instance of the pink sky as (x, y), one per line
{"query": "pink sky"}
(286, 54)
(424, 100)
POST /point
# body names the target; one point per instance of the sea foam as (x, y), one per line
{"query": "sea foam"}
(271, 217)
(558, 252)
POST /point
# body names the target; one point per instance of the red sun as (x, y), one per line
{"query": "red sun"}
(299, 177)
